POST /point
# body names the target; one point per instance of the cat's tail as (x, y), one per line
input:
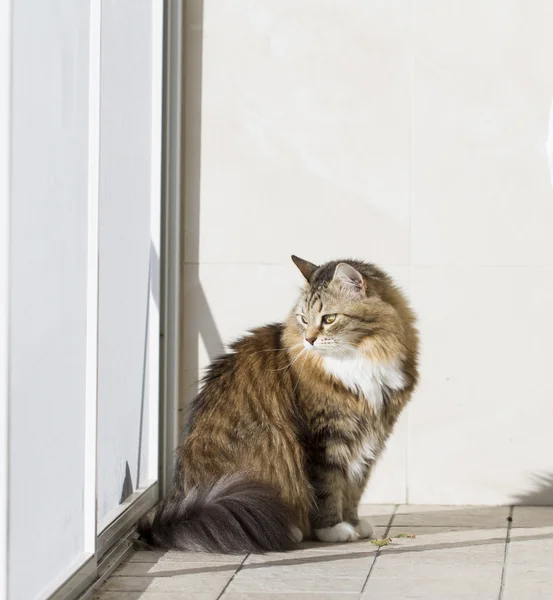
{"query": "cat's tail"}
(235, 515)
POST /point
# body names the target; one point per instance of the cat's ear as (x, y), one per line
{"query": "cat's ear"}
(349, 278)
(306, 268)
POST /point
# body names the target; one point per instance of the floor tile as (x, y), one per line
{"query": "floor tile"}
(530, 516)
(289, 596)
(200, 582)
(460, 539)
(439, 552)
(466, 516)
(313, 555)
(528, 582)
(340, 566)
(299, 584)
(531, 547)
(118, 595)
(432, 588)
(173, 568)
(184, 557)
(425, 562)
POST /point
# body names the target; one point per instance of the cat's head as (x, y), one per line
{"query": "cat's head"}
(347, 307)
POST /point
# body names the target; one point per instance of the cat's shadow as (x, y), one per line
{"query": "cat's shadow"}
(541, 493)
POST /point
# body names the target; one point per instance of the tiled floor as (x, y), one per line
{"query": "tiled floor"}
(477, 553)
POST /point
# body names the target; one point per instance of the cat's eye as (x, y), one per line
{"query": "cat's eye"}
(328, 319)
(301, 319)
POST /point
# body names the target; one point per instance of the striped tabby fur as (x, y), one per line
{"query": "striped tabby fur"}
(289, 424)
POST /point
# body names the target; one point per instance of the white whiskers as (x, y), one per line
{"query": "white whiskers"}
(288, 366)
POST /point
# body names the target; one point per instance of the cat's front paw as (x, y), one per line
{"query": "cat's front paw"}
(364, 529)
(341, 532)
(296, 534)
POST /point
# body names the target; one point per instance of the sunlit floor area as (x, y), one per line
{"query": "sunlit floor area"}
(426, 552)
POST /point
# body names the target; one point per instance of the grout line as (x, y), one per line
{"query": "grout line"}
(411, 140)
(384, 265)
(407, 478)
(389, 526)
(232, 263)
(233, 576)
(410, 253)
(507, 543)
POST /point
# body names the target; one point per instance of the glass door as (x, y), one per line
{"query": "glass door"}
(129, 256)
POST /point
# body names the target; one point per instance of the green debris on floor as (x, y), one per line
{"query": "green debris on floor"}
(382, 542)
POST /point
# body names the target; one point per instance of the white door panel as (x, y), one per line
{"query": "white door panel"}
(80, 169)
(125, 246)
(48, 292)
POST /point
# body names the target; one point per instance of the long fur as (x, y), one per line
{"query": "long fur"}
(289, 437)
(235, 515)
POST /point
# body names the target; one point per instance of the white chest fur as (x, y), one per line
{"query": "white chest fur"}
(357, 465)
(366, 377)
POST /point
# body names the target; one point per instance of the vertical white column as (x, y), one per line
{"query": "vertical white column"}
(5, 143)
(155, 232)
(92, 277)
(549, 143)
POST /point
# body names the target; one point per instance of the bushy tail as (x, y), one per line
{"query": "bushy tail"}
(233, 516)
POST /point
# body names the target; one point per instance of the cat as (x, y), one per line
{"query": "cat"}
(289, 423)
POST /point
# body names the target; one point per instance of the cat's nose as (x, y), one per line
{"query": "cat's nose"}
(311, 340)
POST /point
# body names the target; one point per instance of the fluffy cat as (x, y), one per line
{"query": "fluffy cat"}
(289, 424)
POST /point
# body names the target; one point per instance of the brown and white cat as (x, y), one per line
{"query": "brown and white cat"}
(289, 424)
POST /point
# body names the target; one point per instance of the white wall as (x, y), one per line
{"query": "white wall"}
(410, 134)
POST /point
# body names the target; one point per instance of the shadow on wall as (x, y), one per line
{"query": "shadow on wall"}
(540, 495)
(198, 319)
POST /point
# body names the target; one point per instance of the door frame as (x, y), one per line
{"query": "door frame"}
(171, 236)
